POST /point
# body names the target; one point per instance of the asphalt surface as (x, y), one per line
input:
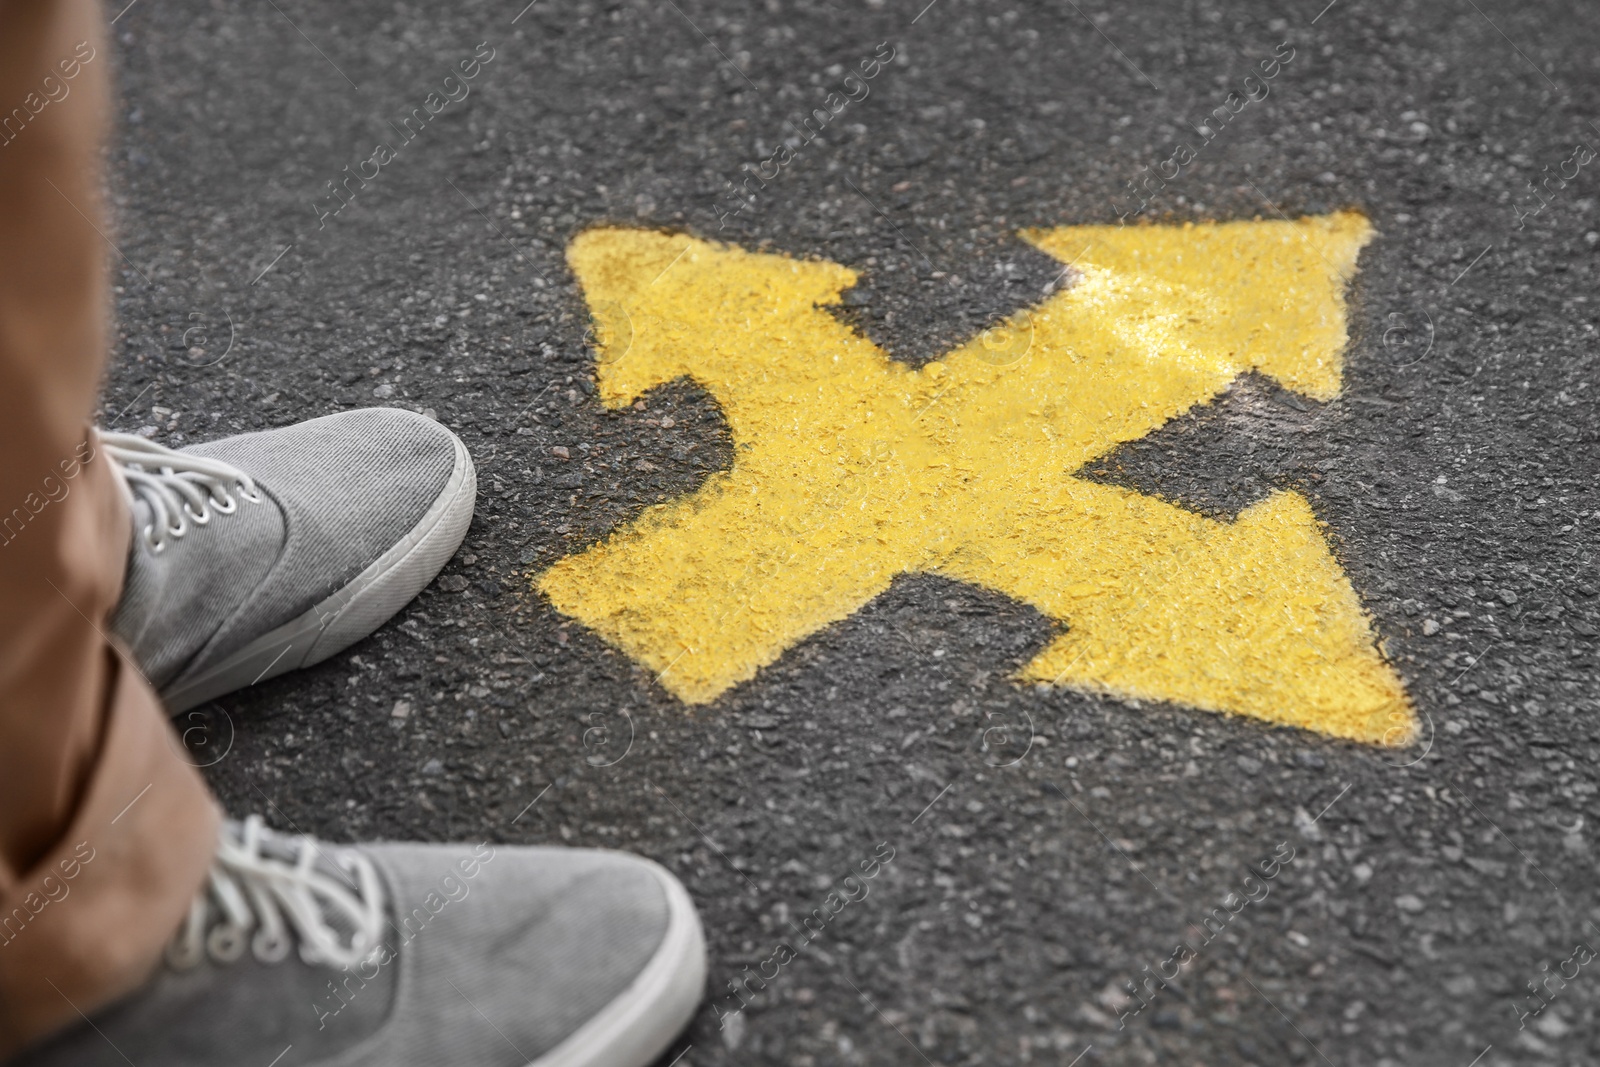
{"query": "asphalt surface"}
(1047, 845)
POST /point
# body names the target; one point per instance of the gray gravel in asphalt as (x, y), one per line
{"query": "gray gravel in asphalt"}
(1047, 845)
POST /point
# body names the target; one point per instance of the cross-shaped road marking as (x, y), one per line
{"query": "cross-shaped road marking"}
(851, 469)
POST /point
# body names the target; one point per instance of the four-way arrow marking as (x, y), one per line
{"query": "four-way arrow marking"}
(851, 469)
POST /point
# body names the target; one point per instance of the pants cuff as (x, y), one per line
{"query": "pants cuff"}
(88, 923)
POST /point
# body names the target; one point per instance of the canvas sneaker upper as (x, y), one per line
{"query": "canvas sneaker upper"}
(259, 553)
(395, 955)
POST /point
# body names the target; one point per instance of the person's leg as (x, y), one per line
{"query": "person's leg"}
(105, 831)
(109, 843)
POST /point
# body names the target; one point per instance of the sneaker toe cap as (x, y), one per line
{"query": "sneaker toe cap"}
(373, 502)
(352, 483)
(540, 943)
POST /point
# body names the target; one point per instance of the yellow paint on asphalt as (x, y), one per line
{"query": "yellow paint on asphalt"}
(851, 469)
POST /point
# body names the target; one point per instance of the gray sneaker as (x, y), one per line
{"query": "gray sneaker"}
(260, 553)
(300, 954)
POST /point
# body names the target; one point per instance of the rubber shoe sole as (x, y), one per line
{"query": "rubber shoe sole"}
(360, 607)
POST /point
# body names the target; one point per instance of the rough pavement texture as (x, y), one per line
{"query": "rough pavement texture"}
(1071, 841)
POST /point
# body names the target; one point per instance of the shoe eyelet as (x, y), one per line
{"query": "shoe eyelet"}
(226, 506)
(226, 943)
(200, 518)
(184, 956)
(271, 949)
(254, 498)
(157, 547)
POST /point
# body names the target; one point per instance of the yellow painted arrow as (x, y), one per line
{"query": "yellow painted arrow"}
(851, 469)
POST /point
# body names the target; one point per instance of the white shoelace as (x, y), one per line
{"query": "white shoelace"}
(180, 489)
(281, 902)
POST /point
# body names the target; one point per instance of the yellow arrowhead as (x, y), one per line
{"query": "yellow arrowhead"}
(851, 469)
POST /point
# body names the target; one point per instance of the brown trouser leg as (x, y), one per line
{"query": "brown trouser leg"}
(105, 830)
